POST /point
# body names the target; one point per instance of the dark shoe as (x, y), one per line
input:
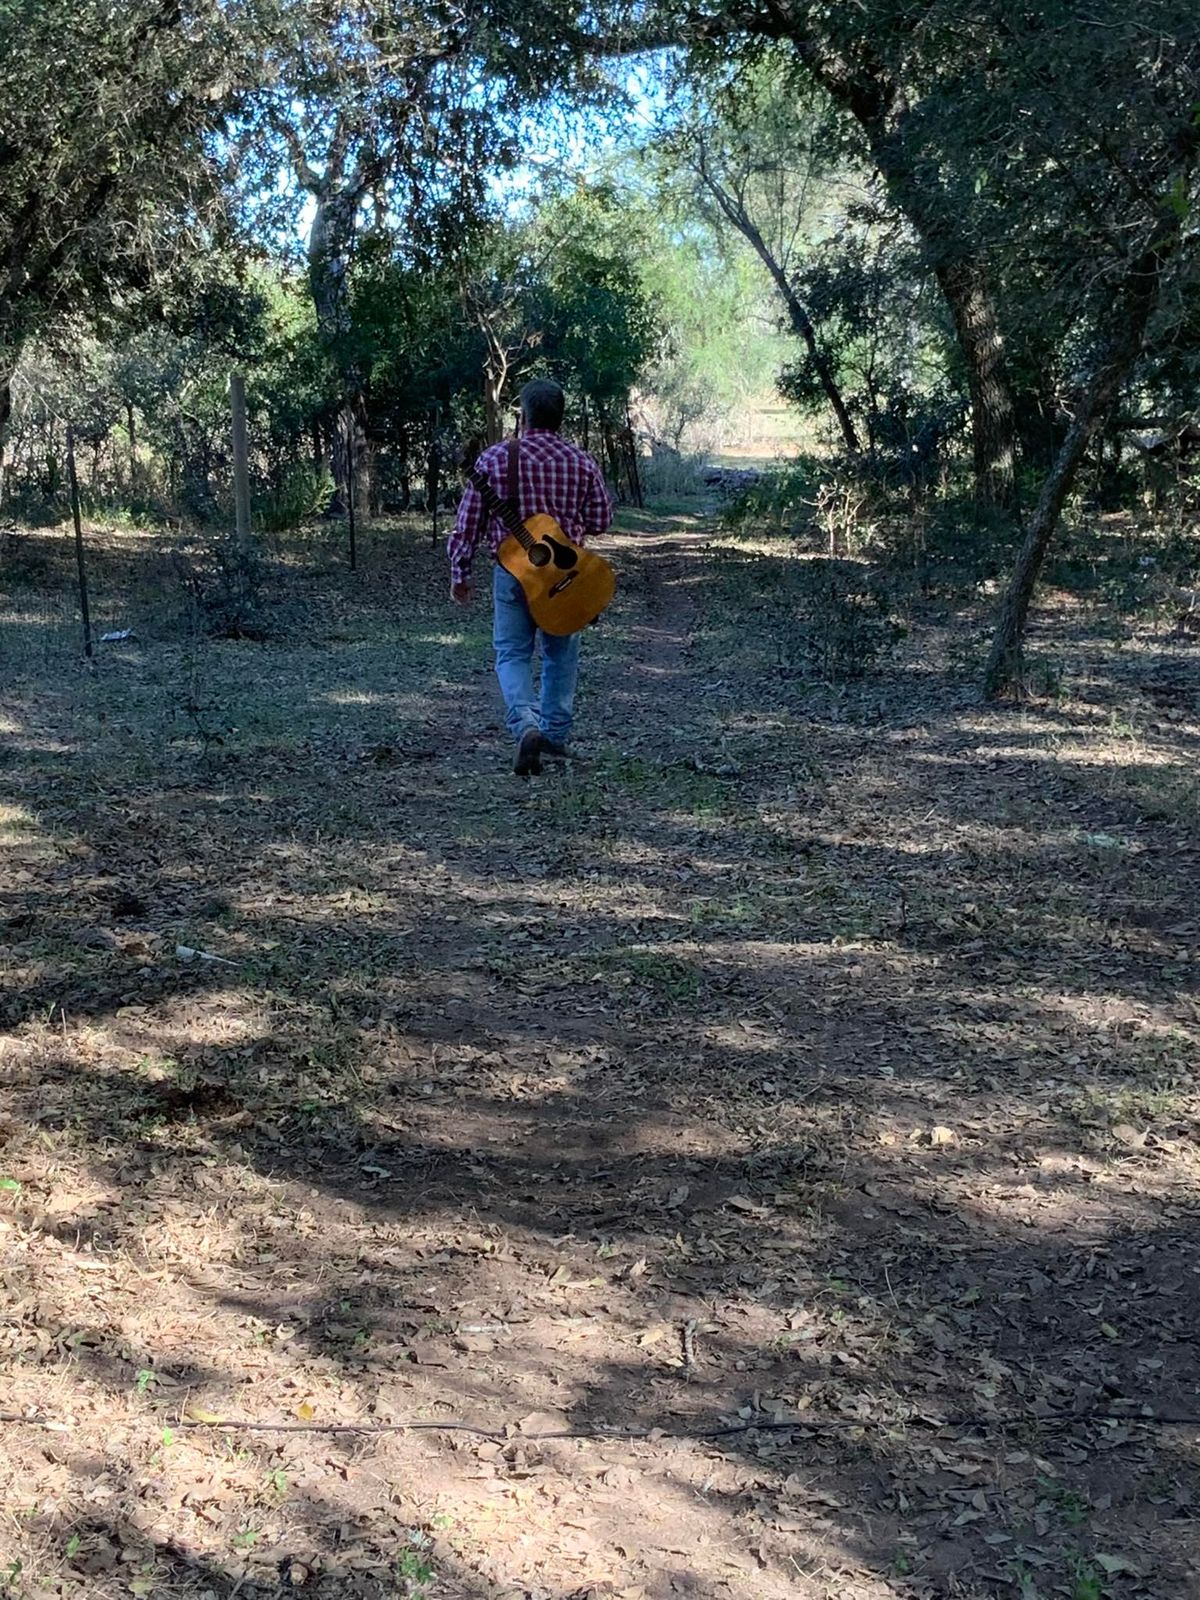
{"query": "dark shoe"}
(529, 754)
(551, 747)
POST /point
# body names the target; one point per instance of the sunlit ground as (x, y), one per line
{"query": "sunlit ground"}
(813, 1061)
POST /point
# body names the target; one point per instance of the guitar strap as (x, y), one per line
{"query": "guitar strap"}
(513, 474)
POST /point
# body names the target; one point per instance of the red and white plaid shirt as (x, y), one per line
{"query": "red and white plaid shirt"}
(557, 477)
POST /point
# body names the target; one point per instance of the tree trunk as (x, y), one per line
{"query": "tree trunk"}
(1120, 345)
(404, 466)
(329, 246)
(734, 208)
(873, 96)
(133, 462)
(993, 415)
(802, 325)
(352, 454)
(494, 376)
(611, 457)
(241, 458)
(8, 366)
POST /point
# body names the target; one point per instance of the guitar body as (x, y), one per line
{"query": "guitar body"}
(565, 586)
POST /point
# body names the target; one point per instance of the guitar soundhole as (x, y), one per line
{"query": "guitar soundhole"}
(539, 555)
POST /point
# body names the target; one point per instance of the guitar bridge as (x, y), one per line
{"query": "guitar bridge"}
(562, 584)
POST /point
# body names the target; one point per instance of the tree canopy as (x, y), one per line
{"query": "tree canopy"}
(961, 216)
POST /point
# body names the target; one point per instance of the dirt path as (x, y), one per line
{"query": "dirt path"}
(811, 1066)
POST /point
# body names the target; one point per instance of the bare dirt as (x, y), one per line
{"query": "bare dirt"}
(793, 1102)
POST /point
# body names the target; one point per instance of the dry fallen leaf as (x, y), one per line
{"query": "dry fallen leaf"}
(199, 1414)
(654, 1334)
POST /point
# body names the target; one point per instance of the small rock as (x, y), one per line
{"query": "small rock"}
(476, 1344)
(1131, 1137)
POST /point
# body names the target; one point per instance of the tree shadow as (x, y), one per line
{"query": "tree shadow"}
(651, 1098)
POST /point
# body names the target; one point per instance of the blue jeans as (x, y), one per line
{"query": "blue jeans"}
(514, 635)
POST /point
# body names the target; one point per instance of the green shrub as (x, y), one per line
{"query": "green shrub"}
(783, 501)
(304, 492)
(227, 585)
(846, 625)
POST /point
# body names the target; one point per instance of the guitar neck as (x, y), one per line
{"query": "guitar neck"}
(502, 509)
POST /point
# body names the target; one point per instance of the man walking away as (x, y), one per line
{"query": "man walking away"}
(557, 478)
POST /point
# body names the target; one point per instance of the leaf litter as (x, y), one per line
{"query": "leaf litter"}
(851, 1084)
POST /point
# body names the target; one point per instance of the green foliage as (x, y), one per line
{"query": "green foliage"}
(886, 334)
(782, 501)
(845, 628)
(228, 589)
(601, 323)
(816, 618)
(304, 493)
(108, 185)
(719, 347)
(414, 1569)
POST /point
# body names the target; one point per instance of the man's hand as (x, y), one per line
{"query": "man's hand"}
(461, 593)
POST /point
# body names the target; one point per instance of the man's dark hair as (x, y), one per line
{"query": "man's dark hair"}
(543, 404)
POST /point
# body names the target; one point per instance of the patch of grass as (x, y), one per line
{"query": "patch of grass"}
(1159, 792)
(1086, 1582)
(1070, 1507)
(816, 619)
(712, 911)
(584, 794)
(667, 975)
(1136, 1106)
(414, 1566)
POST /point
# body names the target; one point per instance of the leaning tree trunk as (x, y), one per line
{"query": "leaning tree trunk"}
(8, 367)
(351, 458)
(802, 325)
(1120, 345)
(131, 429)
(735, 210)
(874, 97)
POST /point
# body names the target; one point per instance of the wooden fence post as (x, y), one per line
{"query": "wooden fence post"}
(83, 589)
(350, 465)
(241, 458)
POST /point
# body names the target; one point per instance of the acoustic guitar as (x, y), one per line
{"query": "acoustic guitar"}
(565, 586)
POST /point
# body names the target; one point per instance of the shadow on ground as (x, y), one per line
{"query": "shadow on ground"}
(812, 1056)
